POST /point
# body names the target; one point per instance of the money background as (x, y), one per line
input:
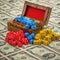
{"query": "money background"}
(9, 9)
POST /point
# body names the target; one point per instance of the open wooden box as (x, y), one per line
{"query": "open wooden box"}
(40, 14)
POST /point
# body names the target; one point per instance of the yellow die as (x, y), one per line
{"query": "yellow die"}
(42, 37)
(56, 36)
(36, 42)
(49, 31)
(38, 34)
(37, 37)
(45, 42)
(48, 37)
(40, 41)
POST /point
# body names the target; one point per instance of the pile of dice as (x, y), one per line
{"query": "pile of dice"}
(30, 37)
(45, 36)
(16, 38)
(27, 22)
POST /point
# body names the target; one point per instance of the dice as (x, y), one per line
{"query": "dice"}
(30, 37)
(45, 37)
(26, 34)
(19, 44)
(33, 27)
(27, 22)
(16, 38)
(31, 41)
(37, 42)
(26, 42)
(27, 26)
(45, 42)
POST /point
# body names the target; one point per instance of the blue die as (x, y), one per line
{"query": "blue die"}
(27, 26)
(17, 19)
(31, 36)
(26, 34)
(31, 41)
(33, 27)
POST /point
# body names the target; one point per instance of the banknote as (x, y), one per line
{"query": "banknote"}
(9, 9)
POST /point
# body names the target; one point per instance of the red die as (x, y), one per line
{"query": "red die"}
(19, 44)
(10, 42)
(25, 41)
(14, 43)
(10, 35)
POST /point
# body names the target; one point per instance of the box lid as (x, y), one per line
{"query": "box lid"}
(36, 12)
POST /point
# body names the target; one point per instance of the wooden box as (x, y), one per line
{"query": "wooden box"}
(40, 14)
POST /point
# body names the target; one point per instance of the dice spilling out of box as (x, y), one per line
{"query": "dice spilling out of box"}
(37, 13)
(32, 20)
